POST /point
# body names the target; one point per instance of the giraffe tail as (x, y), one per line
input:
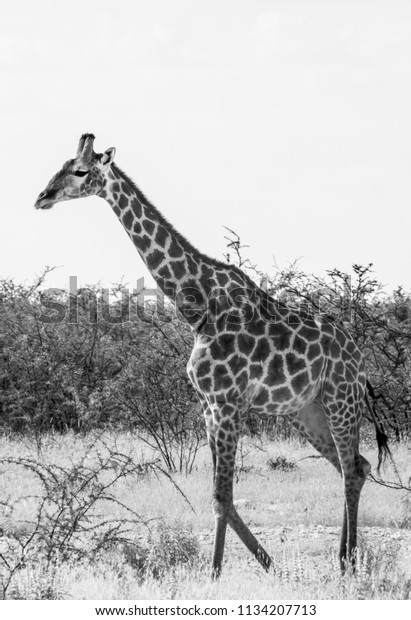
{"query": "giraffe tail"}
(382, 439)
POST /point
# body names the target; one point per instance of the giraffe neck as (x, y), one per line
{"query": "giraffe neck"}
(189, 278)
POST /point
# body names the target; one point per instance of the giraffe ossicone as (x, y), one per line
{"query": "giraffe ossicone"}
(251, 352)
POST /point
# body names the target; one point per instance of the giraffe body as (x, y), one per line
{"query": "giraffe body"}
(251, 352)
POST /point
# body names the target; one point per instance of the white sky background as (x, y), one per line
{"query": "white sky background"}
(288, 122)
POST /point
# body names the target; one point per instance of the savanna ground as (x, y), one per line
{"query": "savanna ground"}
(155, 534)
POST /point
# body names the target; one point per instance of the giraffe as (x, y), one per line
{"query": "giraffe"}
(251, 352)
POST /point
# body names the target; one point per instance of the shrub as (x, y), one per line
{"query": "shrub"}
(94, 373)
(281, 463)
(169, 546)
(67, 524)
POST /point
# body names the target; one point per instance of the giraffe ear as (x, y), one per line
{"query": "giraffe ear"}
(108, 156)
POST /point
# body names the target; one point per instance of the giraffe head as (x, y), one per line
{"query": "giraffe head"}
(85, 175)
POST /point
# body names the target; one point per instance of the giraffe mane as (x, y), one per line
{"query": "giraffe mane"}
(181, 238)
(269, 300)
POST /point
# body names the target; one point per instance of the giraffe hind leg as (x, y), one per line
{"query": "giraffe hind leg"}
(312, 423)
(344, 425)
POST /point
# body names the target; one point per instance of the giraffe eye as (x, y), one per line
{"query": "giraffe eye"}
(80, 173)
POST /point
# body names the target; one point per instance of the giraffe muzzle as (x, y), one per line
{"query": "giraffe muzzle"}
(44, 201)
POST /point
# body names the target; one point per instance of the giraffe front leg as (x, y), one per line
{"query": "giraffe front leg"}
(223, 431)
(218, 508)
(249, 539)
(344, 554)
(240, 528)
(219, 537)
(222, 504)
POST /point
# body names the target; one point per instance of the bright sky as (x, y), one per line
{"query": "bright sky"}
(286, 121)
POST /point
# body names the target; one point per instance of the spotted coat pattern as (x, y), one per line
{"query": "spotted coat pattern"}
(250, 353)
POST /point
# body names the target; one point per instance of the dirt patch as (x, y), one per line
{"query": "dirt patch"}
(316, 540)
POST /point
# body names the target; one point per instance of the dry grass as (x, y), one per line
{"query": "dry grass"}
(295, 513)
